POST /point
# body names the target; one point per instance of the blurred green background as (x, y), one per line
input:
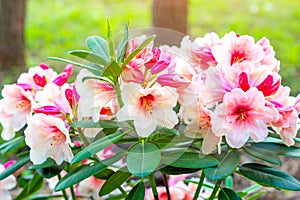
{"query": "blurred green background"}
(57, 26)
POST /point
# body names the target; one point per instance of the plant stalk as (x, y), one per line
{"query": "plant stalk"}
(199, 186)
(63, 191)
(153, 186)
(216, 188)
(165, 179)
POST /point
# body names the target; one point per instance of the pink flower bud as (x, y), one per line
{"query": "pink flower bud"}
(172, 80)
(25, 86)
(161, 65)
(48, 110)
(268, 87)
(64, 76)
(44, 66)
(9, 163)
(40, 80)
(70, 97)
(243, 82)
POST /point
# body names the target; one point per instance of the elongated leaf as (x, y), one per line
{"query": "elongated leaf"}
(138, 50)
(13, 168)
(112, 71)
(177, 170)
(12, 144)
(269, 176)
(92, 69)
(99, 124)
(263, 154)
(89, 56)
(98, 45)
(104, 174)
(46, 196)
(137, 192)
(189, 160)
(34, 185)
(142, 159)
(110, 40)
(121, 50)
(228, 194)
(48, 163)
(227, 165)
(100, 78)
(279, 149)
(116, 180)
(97, 146)
(84, 171)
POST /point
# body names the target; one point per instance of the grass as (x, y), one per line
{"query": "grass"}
(55, 27)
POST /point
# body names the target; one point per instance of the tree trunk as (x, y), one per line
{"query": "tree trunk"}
(171, 14)
(12, 17)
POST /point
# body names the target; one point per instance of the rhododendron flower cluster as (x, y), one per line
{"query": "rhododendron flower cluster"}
(136, 110)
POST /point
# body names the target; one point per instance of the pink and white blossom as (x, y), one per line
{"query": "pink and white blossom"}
(242, 115)
(148, 107)
(6, 184)
(45, 134)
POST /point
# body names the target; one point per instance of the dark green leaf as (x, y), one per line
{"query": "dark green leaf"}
(84, 171)
(73, 63)
(279, 149)
(121, 50)
(116, 180)
(142, 159)
(228, 194)
(112, 71)
(137, 192)
(263, 154)
(105, 174)
(227, 165)
(48, 163)
(97, 146)
(98, 45)
(89, 56)
(189, 160)
(269, 176)
(138, 50)
(12, 145)
(13, 168)
(99, 124)
(177, 170)
(34, 185)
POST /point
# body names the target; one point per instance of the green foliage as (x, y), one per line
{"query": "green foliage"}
(228, 194)
(15, 167)
(269, 176)
(137, 193)
(32, 187)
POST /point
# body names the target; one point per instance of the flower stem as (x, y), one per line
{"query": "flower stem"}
(63, 191)
(216, 188)
(73, 193)
(199, 186)
(165, 179)
(118, 92)
(153, 186)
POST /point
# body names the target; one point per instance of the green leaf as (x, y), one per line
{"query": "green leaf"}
(104, 174)
(110, 40)
(13, 168)
(97, 146)
(121, 50)
(138, 50)
(279, 149)
(137, 192)
(46, 196)
(189, 160)
(34, 185)
(98, 45)
(12, 145)
(142, 159)
(84, 171)
(48, 163)
(263, 154)
(228, 163)
(99, 124)
(89, 56)
(229, 181)
(228, 194)
(116, 180)
(269, 176)
(112, 71)
(177, 170)
(92, 69)
(99, 77)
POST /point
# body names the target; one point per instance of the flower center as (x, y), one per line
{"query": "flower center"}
(147, 102)
(241, 113)
(237, 57)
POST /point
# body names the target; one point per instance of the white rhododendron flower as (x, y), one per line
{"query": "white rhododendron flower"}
(6, 184)
(48, 136)
(148, 107)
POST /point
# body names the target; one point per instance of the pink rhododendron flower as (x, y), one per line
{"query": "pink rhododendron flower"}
(148, 107)
(6, 185)
(236, 49)
(46, 134)
(94, 96)
(242, 114)
(90, 187)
